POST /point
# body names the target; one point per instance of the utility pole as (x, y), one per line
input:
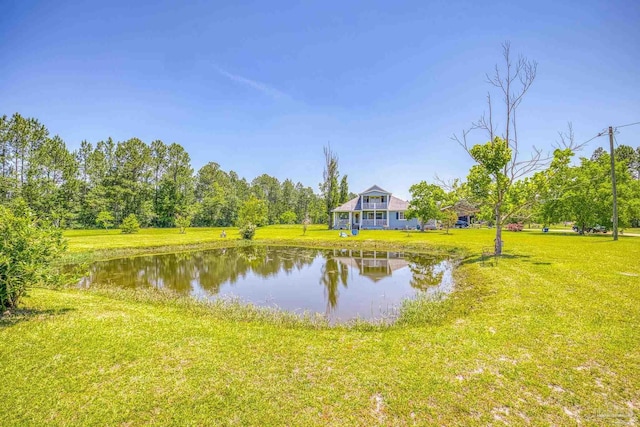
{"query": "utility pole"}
(613, 185)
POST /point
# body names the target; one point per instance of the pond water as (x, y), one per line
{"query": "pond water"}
(340, 284)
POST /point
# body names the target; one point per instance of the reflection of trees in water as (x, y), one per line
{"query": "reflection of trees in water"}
(333, 273)
(210, 269)
(423, 269)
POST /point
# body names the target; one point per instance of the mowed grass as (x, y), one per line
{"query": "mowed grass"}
(548, 334)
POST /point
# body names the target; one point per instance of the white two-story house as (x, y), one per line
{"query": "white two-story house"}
(374, 208)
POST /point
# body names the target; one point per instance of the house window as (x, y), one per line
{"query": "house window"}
(379, 215)
(401, 215)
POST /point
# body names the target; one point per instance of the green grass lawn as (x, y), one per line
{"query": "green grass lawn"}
(550, 334)
(561, 226)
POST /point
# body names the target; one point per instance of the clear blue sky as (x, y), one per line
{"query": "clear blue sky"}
(260, 87)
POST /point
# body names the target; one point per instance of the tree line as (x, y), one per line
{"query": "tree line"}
(580, 193)
(109, 181)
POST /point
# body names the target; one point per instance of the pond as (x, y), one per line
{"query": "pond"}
(338, 283)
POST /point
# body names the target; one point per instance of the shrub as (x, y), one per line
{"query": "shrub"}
(247, 231)
(183, 222)
(288, 217)
(130, 224)
(253, 211)
(105, 220)
(27, 248)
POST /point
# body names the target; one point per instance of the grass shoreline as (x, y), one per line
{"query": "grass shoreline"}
(76, 257)
(548, 334)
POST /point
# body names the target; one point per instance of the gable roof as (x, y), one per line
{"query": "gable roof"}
(375, 188)
(464, 207)
(395, 204)
(348, 206)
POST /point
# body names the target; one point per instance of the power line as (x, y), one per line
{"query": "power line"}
(628, 124)
(604, 132)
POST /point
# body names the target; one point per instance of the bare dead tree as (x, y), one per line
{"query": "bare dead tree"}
(512, 80)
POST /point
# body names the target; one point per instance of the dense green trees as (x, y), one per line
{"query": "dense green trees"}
(582, 193)
(155, 182)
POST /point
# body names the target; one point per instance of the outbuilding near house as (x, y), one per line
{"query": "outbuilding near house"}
(373, 209)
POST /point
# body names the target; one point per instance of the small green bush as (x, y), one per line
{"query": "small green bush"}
(27, 248)
(183, 222)
(253, 211)
(288, 217)
(105, 220)
(247, 231)
(130, 224)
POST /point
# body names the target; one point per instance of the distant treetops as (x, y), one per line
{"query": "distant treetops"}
(101, 184)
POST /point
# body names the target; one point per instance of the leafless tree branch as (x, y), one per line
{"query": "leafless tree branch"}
(568, 140)
(447, 185)
(462, 141)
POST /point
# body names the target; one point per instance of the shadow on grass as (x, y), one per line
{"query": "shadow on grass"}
(509, 256)
(25, 314)
(491, 260)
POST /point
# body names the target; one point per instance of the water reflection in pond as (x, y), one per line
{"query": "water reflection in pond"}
(342, 284)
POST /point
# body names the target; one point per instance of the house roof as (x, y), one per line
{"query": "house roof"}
(395, 204)
(348, 206)
(375, 188)
(464, 207)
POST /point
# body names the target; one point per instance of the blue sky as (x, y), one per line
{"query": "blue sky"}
(260, 87)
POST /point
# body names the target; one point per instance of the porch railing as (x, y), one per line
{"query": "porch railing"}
(372, 206)
(378, 223)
